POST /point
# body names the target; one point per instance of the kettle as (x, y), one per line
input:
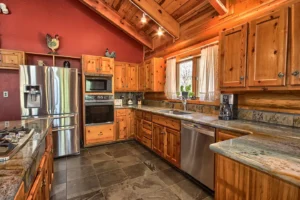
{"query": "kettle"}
(130, 102)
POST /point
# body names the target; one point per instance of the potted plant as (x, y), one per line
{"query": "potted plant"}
(186, 91)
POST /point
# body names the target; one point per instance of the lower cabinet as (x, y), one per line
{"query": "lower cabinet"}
(139, 129)
(21, 193)
(235, 180)
(158, 139)
(172, 146)
(125, 124)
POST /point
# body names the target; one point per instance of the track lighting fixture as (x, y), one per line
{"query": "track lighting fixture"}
(144, 19)
(160, 31)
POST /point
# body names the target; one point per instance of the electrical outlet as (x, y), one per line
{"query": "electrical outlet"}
(6, 124)
(5, 94)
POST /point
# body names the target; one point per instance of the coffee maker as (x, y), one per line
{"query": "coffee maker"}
(228, 107)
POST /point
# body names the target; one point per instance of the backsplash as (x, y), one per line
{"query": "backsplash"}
(285, 119)
(127, 95)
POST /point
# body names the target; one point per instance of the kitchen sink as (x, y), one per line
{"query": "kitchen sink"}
(174, 112)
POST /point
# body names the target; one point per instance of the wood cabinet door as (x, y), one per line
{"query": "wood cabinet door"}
(91, 64)
(222, 136)
(158, 135)
(120, 77)
(121, 128)
(99, 134)
(132, 77)
(267, 50)
(172, 146)
(232, 56)
(139, 129)
(107, 65)
(131, 124)
(295, 46)
(10, 59)
(142, 79)
(148, 75)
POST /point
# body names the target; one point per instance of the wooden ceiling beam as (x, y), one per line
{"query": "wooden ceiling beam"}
(159, 15)
(219, 6)
(114, 18)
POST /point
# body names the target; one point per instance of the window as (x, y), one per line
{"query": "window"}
(185, 77)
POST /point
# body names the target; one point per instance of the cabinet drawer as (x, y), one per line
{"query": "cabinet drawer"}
(147, 125)
(98, 134)
(121, 112)
(147, 116)
(147, 142)
(147, 133)
(165, 121)
(139, 114)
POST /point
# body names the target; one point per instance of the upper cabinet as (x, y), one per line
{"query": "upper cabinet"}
(10, 59)
(232, 56)
(295, 46)
(267, 52)
(97, 64)
(152, 75)
(126, 77)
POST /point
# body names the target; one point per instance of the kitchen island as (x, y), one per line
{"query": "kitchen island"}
(18, 174)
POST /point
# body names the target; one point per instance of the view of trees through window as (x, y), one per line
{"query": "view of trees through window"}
(185, 77)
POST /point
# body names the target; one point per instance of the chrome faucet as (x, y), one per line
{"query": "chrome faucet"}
(183, 101)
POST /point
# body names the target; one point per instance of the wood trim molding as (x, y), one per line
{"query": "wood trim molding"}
(159, 15)
(219, 6)
(114, 18)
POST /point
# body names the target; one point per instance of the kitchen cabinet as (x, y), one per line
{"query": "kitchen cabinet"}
(232, 56)
(152, 75)
(172, 146)
(139, 125)
(131, 124)
(294, 74)
(11, 59)
(36, 192)
(223, 135)
(21, 193)
(235, 180)
(267, 50)
(126, 77)
(99, 134)
(120, 76)
(107, 65)
(97, 64)
(125, 124)
(158, 139)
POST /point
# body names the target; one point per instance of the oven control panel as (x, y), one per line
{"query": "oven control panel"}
(98, 98)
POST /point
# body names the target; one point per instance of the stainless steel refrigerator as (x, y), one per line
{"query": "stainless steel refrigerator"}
(53, 92)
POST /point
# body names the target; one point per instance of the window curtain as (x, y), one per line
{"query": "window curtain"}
(170, 86)
(207, 74)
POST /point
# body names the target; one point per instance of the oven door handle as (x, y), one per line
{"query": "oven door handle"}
(100, 104)
(64, 128)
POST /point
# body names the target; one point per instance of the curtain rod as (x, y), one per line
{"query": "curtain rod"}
(201, 47)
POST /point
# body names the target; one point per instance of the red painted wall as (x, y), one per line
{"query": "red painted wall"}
(81, 32)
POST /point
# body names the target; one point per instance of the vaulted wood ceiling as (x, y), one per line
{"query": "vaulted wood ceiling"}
(128, 16)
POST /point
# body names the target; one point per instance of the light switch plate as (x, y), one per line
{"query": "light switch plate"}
(6, 124)
(5, 94)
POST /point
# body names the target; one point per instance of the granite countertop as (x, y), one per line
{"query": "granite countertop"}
(18, 168)
(273, 149)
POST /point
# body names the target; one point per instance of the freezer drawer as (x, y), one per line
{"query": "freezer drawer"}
(65, 120)
(66, 141)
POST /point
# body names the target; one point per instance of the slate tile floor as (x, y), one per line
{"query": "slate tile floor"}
(121, 171)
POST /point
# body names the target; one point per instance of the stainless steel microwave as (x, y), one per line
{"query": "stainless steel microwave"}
(98, 84)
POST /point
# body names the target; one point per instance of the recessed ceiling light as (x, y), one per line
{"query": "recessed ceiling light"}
(144, 19)
(160, 31)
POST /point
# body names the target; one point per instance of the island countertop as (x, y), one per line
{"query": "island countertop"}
(20, 167)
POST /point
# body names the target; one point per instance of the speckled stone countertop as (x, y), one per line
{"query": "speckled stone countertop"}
(273, 149)
(23, 165)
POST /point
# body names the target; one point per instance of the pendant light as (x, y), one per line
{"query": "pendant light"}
(160, 31)
(144, 19)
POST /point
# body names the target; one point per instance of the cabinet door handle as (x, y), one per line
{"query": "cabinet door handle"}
(295, 73)
(242, 78)
(100, 133)
(280, 74)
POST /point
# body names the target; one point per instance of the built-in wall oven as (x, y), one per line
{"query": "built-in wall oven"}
(98, 84)
(99, 109)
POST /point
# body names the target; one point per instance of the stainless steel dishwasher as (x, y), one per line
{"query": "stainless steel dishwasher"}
(196, 157)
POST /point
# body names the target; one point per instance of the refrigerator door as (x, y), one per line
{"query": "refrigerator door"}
(34, 91)
(66, 141)
(64, 120)
(64, 86)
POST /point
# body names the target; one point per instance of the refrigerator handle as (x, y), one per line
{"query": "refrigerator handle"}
(49, 90)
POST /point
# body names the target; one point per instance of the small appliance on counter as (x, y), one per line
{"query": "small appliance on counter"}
(228, 106)
(130, 102)
(118, 102)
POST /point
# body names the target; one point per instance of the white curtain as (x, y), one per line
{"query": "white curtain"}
(170, 87)
(207, 73)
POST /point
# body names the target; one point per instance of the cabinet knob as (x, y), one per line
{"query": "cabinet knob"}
(280, 74)
(242, 78)
(88, 131)
(295, 73)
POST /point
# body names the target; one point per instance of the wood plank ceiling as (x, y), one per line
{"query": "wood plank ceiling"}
(186, 12)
